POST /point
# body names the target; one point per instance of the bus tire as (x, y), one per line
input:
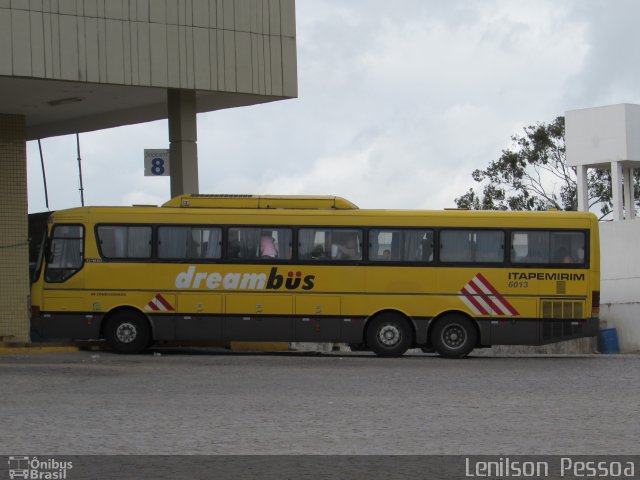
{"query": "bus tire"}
(389, 335)
(454, 336)
(128, 332)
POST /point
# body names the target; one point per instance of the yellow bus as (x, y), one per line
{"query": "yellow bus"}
(316, 269)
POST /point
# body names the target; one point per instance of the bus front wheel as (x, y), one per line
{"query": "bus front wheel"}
(454, 336)
(389, 335)
(127, 332)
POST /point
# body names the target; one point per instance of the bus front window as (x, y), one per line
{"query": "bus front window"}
(65, 255)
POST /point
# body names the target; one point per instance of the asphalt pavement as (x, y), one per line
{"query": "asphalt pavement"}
(207, 401)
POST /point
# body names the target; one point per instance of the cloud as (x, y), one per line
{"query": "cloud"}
(612, 65)
(398, 104)
(429, 98)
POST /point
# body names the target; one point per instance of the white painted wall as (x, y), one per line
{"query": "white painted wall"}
(609, 137)
(620, 284)
(601, 135)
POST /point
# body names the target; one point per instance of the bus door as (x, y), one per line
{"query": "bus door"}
(62, 284)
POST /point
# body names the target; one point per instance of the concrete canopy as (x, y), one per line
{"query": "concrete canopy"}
(70, 66)
(60, 107)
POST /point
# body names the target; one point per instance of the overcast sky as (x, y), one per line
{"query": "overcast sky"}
(396, 107)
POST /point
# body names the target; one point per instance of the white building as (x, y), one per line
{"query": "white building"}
(609, 137)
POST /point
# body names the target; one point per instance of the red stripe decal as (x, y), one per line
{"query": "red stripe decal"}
(473, 301)
(503, 300)
(486, 298)
(164, 303)
(152, 306)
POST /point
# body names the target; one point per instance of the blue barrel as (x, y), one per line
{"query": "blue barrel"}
(608, 341)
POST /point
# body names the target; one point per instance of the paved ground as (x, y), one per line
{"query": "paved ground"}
(207, 402)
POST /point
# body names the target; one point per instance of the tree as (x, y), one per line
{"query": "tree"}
(532, 174)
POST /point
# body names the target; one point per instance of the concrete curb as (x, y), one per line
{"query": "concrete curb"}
(29, 348)
(13, 349)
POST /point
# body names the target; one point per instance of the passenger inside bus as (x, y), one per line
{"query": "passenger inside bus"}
(345, 251)
(318, 253)
(267, 247)
(234, 249)
(563, 256)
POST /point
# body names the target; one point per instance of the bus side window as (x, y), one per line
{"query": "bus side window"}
(568, 247)
(519, 247)
(125, 241)
(107, 242)
(426, 250)
(211, 242)
(244, 243)
(406, 245)
(346, 245)
(318, 253)
(455, 246)
(340, 244)
(530, 247)
(173, 242)
(417, 246)
(275, 243)
(259, 243)
(311, 244)
(481, 246)
(544, 247)
(380, 242)
(489, 246)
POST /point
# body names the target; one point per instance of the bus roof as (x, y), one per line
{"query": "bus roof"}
(260, 201)
(291, 209)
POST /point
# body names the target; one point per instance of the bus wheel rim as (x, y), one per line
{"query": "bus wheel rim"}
(126, 332)
(454, 336)
(389, 335)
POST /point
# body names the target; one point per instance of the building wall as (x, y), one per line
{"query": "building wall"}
(14, 248)
(240, 46)
(620, 284)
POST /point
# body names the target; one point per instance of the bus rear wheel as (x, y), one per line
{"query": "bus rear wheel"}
(454, 336)
(127, 332)
(389, 335)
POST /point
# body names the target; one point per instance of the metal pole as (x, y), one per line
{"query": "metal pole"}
(44, 176)
(80, 169)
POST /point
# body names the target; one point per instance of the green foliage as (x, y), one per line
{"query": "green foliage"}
(532, 174)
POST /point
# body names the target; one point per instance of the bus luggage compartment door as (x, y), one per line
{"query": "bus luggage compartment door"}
(317, 318)
(201, 317)
(250, 317)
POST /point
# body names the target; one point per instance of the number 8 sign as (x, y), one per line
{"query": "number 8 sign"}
(156, 163)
